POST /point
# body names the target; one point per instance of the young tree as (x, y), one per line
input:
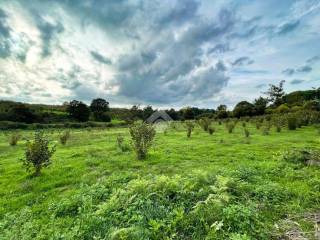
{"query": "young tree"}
(37, 153)
(222, 111)
(78, 110)
(275, 93)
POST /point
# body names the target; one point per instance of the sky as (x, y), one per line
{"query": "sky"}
(164, 53)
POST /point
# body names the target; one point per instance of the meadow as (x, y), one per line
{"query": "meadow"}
(209, 186)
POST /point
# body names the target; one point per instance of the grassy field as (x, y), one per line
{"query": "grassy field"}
(220, 186)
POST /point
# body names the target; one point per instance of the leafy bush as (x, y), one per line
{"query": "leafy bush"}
(142, 135)
(14, 138)
(292, 123)
(37, 153)
(190, 126)
(64, 137)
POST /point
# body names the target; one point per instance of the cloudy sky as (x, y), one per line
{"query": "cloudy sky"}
(167, 53)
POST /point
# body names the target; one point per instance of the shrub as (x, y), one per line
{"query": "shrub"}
(278, 127)
(258, 125)
(205, 123)
(14, 138)
(211, 130)
(292, 123)
(37, 153)
(64, 137)
(304, 156)
(246, 133)
(122, 144)
(230, 126)
(266, 131)
(190, 126)
(142, 135)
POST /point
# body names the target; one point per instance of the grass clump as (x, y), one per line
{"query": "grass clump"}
(211, 130)
(142, 136)
(38, 153)
(302, 156)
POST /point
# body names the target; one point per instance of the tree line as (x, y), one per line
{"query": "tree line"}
(275, 100)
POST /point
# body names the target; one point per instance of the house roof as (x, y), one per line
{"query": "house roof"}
(159, 115)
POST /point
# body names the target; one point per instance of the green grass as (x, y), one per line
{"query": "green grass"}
(92, 189)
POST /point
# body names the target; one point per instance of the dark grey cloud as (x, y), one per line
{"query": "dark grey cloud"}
(304, 69)
(242, 61)
(313, 60)
(289, 71)
(296, 81)
(100, 58)
(288, 27)
(49, 31)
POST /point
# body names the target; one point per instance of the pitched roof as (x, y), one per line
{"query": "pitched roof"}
(159, 115)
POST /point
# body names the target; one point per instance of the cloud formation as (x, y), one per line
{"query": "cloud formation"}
(162, 52)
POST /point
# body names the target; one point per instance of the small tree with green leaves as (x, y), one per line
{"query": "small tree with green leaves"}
(230, 126)
(38, 153)
(190, 127)
(142, 135)
(205, 123)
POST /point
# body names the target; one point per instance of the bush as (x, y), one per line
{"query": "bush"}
(64, 137)
(205, 123)
(142, 135)
(190, 126)
(121, 144)
(14, 138)
(211, 130)
(246, 133)
(292, 123)
(303, 156)
(37, 153)
(230, 126)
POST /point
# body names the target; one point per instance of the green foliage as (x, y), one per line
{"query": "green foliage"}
(14, 138)
(246, 132)
(122, 145)
(38, 153)
(190, 126)
(243, 108)
(64, 137)
(205, 123)
(78, 110)
(211, 130)
(142, 136)
(292, 122)
(302, 156)
(230, 126)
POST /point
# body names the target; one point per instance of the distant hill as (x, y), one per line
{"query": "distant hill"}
(299, 97)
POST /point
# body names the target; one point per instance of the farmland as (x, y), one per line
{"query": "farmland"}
(219, 186)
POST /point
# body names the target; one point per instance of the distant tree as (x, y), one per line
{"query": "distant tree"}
(242, 109)
(147, 112)
(275, 93)
(313, 105)
(260, 105)
(22, 113)
(222, 111)
(99, 108)
(78, 110)
(188, 113)
(173, 114)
